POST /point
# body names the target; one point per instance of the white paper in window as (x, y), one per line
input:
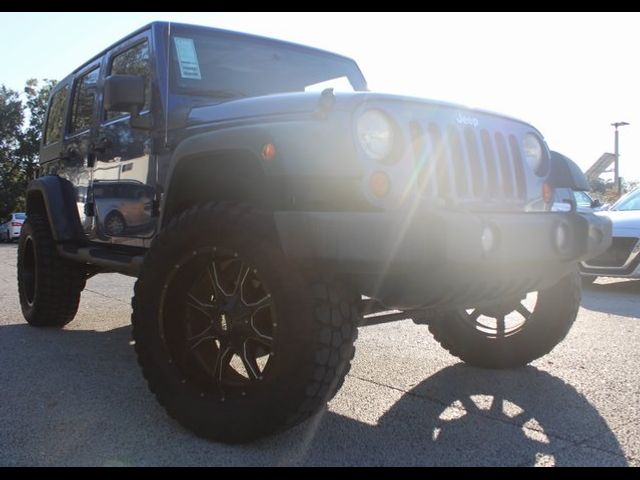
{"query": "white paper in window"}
(187, 58)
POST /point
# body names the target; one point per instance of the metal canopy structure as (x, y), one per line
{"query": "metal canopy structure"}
(600, 166)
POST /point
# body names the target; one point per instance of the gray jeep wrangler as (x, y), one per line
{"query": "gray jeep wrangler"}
(269, 205)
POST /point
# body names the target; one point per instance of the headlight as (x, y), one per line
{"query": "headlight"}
(375, 133)
(532, 149)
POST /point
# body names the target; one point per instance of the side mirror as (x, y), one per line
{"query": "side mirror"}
(124, 93)
(596, 203)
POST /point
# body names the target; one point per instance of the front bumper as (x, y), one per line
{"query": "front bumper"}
(436, 257)
(622, 263)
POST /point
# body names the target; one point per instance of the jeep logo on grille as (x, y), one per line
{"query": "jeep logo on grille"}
(467, 120)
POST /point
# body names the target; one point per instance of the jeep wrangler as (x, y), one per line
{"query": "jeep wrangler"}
(269, 205)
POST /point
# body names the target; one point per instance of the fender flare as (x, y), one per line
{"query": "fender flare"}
(59, 202)
(564, 173)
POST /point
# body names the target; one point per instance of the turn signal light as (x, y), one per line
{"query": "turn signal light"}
(547, 193)
(269, 151)
(379, 184)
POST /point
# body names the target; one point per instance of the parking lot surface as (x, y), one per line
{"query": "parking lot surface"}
(76, 396)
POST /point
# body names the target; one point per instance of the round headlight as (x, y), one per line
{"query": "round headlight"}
(375, 134)
(532, 150)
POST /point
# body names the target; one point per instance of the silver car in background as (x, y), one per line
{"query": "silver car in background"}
(11, 226)
(622, 258)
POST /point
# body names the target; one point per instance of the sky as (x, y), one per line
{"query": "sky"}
(569, 74)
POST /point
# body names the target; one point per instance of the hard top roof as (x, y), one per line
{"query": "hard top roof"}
(160, 24)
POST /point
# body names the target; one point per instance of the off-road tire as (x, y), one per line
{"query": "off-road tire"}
(549, 323)
(49, 286)
(317, 327)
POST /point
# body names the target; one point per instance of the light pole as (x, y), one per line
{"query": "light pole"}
(616, 167)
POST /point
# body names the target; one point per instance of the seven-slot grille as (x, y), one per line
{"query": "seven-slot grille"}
(463, 162)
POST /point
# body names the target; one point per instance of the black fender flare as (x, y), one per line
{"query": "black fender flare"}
(247, 139)
(300, 141)
(58, 200)
(565, 173)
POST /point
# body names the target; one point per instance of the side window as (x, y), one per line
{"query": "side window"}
(55, 117)
(581, 199)
(134, 61)
(83, 100)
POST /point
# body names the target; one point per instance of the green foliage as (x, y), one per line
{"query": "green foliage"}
(606, 191)
(598, 185)
(20, 133)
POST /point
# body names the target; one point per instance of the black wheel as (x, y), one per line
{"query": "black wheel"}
(233, 339)
(114, 224)
(514, 333)
(49, 286)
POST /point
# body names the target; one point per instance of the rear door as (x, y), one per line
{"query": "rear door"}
(79, 152)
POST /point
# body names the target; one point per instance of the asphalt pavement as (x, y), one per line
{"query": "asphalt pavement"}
(76, 396)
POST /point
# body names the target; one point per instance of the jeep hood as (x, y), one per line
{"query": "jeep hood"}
(307, 102)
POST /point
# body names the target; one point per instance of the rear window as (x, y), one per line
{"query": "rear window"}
(19, 216)
(55, 117)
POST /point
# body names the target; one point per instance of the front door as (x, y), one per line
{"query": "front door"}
(123, 175)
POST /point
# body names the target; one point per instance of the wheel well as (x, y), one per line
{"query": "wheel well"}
(235, 176)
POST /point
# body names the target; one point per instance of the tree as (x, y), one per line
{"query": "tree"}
(11, 139)
(20, 143)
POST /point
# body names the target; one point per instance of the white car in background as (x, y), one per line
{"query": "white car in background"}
(11, 226)
(622, 258)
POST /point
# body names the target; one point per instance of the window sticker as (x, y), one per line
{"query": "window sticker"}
(187, 58)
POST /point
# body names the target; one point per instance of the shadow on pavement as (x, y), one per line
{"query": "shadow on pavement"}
(73, 397)
(616, 298)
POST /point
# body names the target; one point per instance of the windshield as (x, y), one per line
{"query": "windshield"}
(223, 65)
(630, 201)
(19, 216)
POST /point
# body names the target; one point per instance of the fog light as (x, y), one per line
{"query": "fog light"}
(488, 239)
(562, 236)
